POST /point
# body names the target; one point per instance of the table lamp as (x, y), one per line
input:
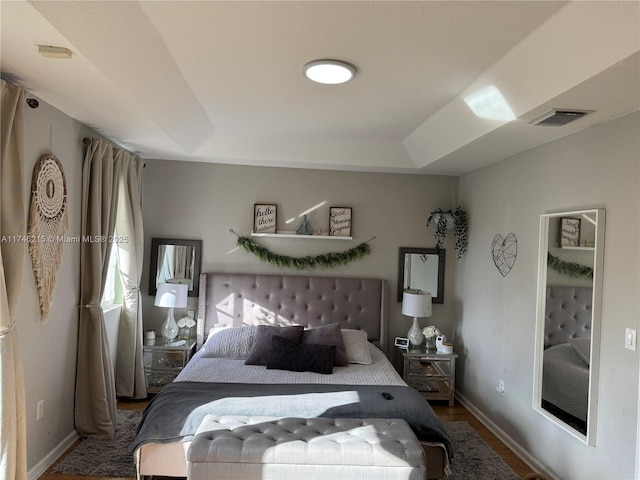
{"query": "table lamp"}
(416, 304)
(171, 295)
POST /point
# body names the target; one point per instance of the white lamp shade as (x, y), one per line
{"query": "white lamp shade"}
(416, 304)
(172, 295)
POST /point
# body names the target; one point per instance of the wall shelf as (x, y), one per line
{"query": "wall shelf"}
(292, 234)
(566, 247)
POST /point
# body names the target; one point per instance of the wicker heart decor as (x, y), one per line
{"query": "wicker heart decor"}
(504, 252)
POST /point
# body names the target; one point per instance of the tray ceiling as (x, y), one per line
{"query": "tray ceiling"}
(222, 82)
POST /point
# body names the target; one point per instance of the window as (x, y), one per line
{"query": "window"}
(112, 295)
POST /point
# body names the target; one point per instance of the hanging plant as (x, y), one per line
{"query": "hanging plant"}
(459, 218)
(330, 259)
(569, 268)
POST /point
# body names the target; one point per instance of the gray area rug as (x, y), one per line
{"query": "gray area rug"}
(105, 458)
(474, 459)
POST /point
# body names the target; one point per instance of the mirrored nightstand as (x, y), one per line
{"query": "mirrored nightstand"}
(432, 374)
(163, 362)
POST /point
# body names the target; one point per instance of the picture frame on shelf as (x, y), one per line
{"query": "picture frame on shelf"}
(340, 221)
(264, 218)
(569, 232)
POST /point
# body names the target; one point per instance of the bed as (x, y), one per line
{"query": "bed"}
(565, 379)
(237, 313)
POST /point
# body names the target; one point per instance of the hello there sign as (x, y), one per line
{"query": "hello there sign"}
(264, 218)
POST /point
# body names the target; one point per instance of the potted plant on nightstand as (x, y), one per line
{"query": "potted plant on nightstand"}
(442, 219)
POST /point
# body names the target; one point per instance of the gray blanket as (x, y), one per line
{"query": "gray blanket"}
(176, 412)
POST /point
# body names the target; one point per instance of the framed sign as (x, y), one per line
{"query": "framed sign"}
(569, 232)
(264, 218)
(340, 221)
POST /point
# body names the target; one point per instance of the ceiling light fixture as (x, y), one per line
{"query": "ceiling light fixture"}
(51, 51)
(330, 72)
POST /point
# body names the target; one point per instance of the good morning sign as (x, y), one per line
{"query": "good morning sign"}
(340, 221)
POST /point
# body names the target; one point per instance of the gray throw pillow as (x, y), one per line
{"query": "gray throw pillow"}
(328, 335)
(230, 342)
(262, 341)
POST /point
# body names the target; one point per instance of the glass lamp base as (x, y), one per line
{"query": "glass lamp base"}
(169, 327)
(414, 334)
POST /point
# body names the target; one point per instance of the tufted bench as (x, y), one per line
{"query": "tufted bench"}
(247, 448)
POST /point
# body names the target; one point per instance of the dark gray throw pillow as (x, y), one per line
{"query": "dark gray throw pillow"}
(262, 341)
(328, 335)
(300, 357)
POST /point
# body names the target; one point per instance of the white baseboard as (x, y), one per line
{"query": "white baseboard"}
(42, 466)
(524, 455)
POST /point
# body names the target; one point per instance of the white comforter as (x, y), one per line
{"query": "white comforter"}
(565, 380)
(206, 369)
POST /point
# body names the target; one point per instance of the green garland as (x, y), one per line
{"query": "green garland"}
(569, 268)
(330, 259)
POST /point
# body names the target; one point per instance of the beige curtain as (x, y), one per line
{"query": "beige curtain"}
(95, 396)
(13, 453)
(130, 378)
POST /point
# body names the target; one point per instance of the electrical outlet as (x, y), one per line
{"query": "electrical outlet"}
(40, 409)
(500, 387)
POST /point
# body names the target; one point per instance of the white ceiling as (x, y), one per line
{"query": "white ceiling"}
(222, 82)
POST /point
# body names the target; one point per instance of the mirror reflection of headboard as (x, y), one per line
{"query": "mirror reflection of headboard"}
(567, 314)
(175, 261)
(567, 344)
(421, 269)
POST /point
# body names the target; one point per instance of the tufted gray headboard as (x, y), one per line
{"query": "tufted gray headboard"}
(567, 314)
(252, 299)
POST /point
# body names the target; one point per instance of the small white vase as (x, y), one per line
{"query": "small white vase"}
(169, 327)
(414, 334)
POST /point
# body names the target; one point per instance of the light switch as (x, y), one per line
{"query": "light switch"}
(630, 339)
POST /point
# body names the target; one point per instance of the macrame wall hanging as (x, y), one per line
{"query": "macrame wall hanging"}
(48, 225)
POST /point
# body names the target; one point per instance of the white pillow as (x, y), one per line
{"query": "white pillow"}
(582, 346)
(229, 342)
(357, 346)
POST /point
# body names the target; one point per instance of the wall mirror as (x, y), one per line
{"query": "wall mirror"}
(567, 346)
(175, 261)
(421, 269)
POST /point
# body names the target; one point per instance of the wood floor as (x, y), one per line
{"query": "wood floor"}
(458, 413)
(446, 414)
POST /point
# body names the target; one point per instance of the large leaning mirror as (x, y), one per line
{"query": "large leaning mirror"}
(175, 261)
(421, 269)
(568, 320)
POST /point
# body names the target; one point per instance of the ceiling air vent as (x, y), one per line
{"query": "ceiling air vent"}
(557, 118)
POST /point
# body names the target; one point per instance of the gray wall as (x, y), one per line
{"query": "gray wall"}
(495, 335)
(493, 329)
(49, 348)
(204, 201)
